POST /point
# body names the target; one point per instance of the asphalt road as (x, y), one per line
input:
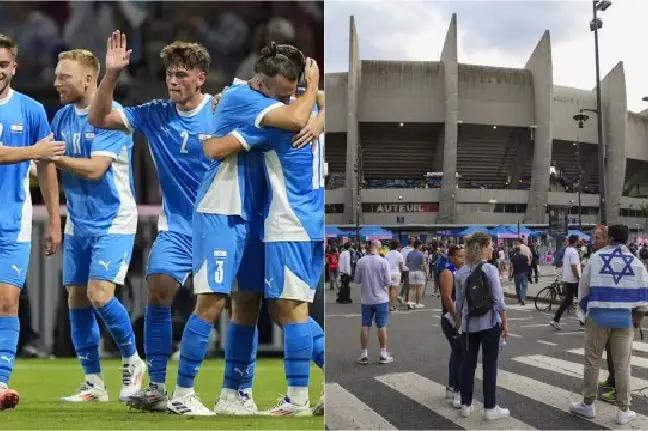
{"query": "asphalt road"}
(540, 372)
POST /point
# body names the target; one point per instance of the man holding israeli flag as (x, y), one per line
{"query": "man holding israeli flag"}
(613, 283)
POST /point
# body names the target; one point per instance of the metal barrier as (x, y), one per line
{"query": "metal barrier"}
(45, 288)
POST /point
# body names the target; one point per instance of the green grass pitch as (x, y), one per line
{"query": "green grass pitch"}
(41, 382)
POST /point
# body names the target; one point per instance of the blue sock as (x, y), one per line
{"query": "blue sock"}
(318, 342)
(193, 349)
(9, 330)
(158, 339)
(240, 356)
(298, 353)
(85, 337)
(119, 325)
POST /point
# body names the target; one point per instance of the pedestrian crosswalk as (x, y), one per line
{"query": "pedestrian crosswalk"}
(557, 381)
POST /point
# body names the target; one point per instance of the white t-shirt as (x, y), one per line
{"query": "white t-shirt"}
(570, 258)
(394, 257)
(502, 255)
(404, 252)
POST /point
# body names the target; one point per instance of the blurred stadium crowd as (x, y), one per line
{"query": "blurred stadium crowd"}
(233, 33)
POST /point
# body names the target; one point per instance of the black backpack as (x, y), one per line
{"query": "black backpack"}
(478, 293)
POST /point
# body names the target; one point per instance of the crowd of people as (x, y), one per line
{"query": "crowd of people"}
(608, 276)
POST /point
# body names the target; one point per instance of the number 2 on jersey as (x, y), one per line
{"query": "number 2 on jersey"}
(185, 138)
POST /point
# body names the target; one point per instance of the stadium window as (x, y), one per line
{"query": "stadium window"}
(334, 208)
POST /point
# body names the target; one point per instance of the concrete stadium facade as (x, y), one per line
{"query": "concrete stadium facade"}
(450, 108)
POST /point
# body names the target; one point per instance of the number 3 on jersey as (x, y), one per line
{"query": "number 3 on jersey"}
(185, 139)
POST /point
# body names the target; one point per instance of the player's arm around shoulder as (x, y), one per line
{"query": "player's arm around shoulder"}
(296, 115)
(314, 127)
(225, 146)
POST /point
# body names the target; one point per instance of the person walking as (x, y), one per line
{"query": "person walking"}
(333, 259)
(448, 322)
(571, 270)
(373, 276)
(396, 263)
(614, 283)
(416, 263)
(344, 266)
(482, 312)
(404, 293)
(535, 259)
(521, 274)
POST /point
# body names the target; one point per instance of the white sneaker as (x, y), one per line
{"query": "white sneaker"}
(386, 359)
(456, 400)
(623, 418)
(400, 299)
(555, 325)
(580, 408)
(132, 377)
(496, 412)
(239, 404)
(466, 411)
(411, 305)
(418, 306)
(449, 393)
(88, 392)
(285, 407)
(189, 405)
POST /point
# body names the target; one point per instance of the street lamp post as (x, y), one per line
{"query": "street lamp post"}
(580, 185)
(595, 24)
(358, 196)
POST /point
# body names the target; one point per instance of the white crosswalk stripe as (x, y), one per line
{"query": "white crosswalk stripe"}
(559, 398)
(636, 360)
(547, 343)
(344, 411)
(553, 392)
(572, 369)
(430, 394)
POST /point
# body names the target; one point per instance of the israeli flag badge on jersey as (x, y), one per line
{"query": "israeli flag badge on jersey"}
(89, 136)
(17, 128)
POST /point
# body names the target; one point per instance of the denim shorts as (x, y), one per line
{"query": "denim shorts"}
(379, 312)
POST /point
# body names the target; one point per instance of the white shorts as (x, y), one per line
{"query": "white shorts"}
(417, 278)
(395, 278)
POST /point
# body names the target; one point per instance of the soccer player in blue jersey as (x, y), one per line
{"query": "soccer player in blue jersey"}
(227, 236)
(24, 135)
(174, 129)
(293, 235)
(100, 229)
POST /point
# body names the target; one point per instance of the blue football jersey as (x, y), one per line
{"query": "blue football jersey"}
(236, 185)
(295, 205)
(174, 138)
(22, 123)
(98, 207)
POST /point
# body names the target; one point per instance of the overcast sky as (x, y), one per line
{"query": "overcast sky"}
(497, 33)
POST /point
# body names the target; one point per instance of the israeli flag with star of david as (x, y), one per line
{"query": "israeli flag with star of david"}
(615, 279)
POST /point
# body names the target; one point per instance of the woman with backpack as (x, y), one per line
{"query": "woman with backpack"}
(448, 319)
(482, 313)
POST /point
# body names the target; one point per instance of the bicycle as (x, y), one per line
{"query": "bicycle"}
(547, 296)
